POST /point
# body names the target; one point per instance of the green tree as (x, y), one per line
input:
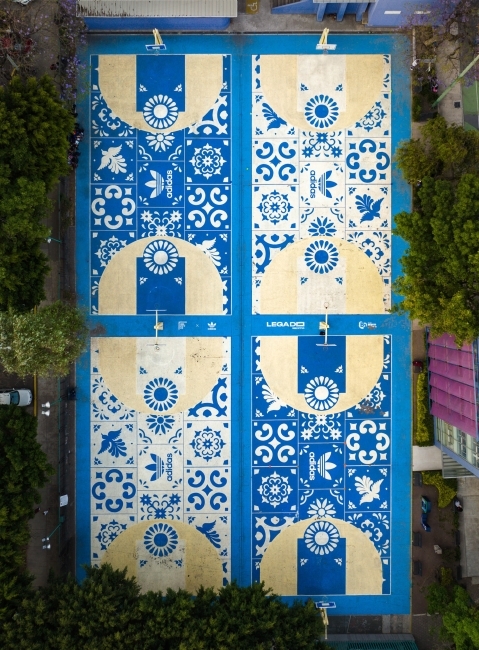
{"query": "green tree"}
(106, 612)
(23, 266)
(440, 284)
(45, 342)
(250, 617)
(34, 125)
(23, 469)
(460, 618)
(443, 151)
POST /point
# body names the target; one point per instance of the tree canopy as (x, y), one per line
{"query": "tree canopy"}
(24, 469)
(443, 151)
(34, 126)
(440, 284)
(440, 281)
(23, 266)
(460, 617)
(45, 342)
(106, 611)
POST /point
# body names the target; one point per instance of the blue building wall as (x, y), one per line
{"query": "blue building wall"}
(382, 13)
(146, 24)
(340, 9)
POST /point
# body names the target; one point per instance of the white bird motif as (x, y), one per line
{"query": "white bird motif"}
(367, 488)
(275, 404)
(113, 160)
(208, 247)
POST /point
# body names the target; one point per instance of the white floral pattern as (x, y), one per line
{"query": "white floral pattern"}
(275, 489)
(160, 141)
(109, 248)
(321, 537)
(207, 161)
(160, 112)
(160, 257)
(321, 393)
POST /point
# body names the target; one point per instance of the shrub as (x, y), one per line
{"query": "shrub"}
(24, 469)
(416, 108)
(447, 487)
(108, 611)
(445, 576)
(424, 434)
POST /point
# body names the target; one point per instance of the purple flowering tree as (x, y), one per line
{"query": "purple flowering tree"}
(72, 34)
(21, 31)
(450, 27)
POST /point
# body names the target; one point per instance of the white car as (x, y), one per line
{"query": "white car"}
(17, 397)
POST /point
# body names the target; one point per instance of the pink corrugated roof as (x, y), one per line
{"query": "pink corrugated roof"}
(464, 375)
(457, 420)
(451, 383)
(455, 357)
(453, 387)
(453, 403)
(447, 341)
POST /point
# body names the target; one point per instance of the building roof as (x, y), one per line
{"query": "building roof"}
(159, 8)
(452, 383)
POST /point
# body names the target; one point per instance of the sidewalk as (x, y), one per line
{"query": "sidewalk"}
(56, 431)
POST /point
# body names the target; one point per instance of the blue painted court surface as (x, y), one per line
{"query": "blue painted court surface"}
(244, 406)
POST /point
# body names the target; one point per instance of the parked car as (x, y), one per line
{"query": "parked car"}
(17, 397)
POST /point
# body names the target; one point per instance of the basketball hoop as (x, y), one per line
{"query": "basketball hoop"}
(158, 45)
(323, 42)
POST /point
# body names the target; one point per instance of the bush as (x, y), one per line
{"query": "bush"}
(24, 469)
(445, 576)
(107, 611)
(424, 434)
(447, 487)
(416, 108)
